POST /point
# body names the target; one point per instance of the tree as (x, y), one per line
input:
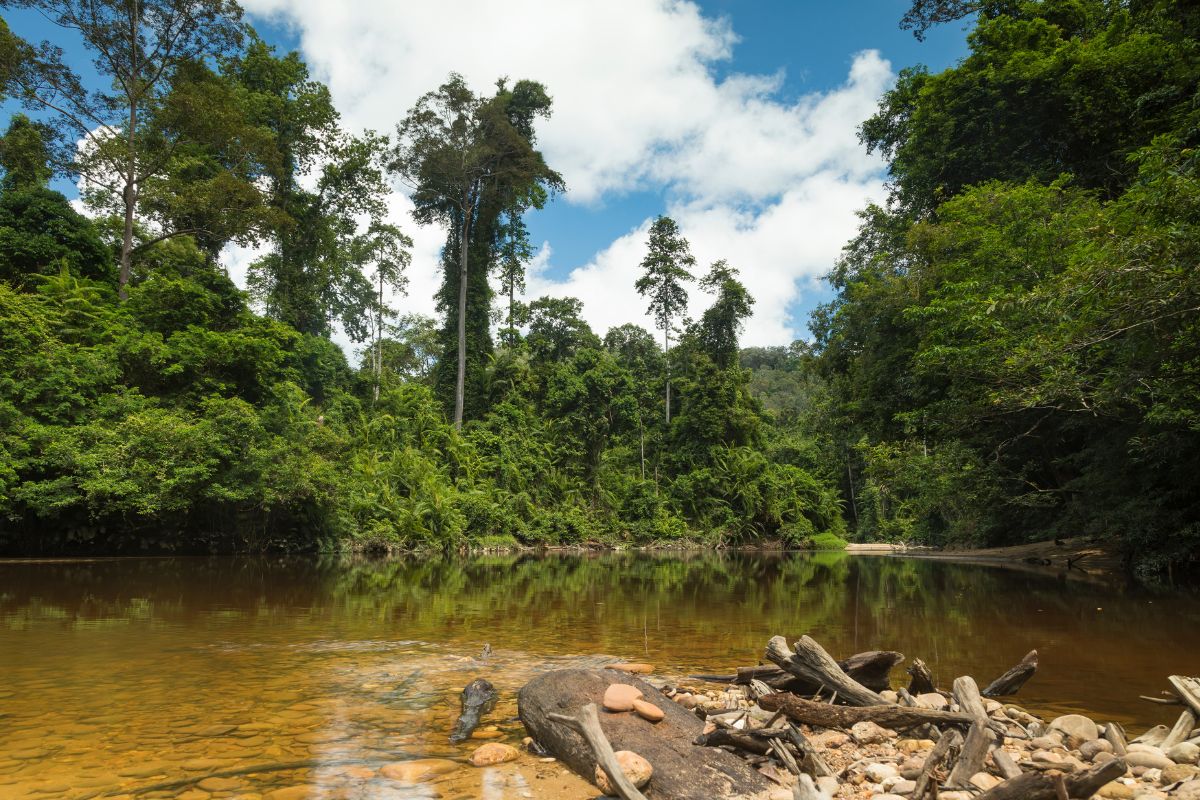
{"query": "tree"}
(513, 253)
(666, 268)
(322, 183)
(138, 45)
(722, 323)
(556, 329)
(469, 159)
(388, 250)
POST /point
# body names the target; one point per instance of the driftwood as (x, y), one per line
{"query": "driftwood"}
(587, 725)
(948, 740)
(810, 662)
(871, 669)
(1041, 786)
(886, 715)
(726, 737)
(922, 678)
(979, 738)
(811, 762)
(1187, 690)
(1007, 768)
(682, 771)
(1182, 730)
(1011, 682)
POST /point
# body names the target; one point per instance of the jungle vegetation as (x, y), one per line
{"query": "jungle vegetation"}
(1011, 354)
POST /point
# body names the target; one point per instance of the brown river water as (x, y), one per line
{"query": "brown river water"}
(297, 678)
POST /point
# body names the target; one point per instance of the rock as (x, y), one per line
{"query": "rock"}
(911, 767)
(827, 784)
(295, 793)
(932, 700)
(878, 773)
(886, 796)
(867, 732)
(620, 697)
(1048, 757)
(1088, 750)
(914, 745)
(1115, 791)
(955, 796)
(1142, 758)
(1044, 743)
(636, 669)
(889, 696)
(904, 786)
(1179, 772)
(1142, 747)
(1189, 791)
(417, 769)
(1102, 758)
(991, 706)
(983, 781)
(636, 769)
(686, 700)
(648, 711)
(1184, 753)
(493, 753)
(1076, 725)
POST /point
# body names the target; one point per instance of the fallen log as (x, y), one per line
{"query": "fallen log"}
(1182, 730)
(810, 662)
(872, 668)
(886, 715)
(1041, 786)
(682, 771)
(725, 737)
(1011, 681)
(1186, 689)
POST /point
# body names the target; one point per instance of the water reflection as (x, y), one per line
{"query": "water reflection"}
(126, 674)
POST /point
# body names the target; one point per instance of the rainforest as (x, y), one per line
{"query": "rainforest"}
(1011, 354)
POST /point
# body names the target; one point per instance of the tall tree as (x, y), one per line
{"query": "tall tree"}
(513, 253)
(722, 323)
(137, 45)
(666, 268)
(322, 183)
(469, 159)
(387, 250)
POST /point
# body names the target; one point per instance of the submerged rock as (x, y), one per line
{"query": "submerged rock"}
(493, 753)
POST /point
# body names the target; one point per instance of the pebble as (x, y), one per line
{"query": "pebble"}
(831, 739)
(1115, 791)
(1076, 725)
(1141, 758)
(829, 785)
(636, 669)
(867, 732)
(911, 767)
(1102, 758)
(1179, 772)
(686, 700)
(878, 773)
(932, 700)
(1184, 753)
(636, 769)
(1089, 749)
(620, 696)
(493, 753)
(648, 711)
(1044, 743)
(417, 769)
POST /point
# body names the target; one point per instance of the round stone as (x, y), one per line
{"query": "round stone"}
(636, 769)
(418, 769)
(620, 697)
(493, 753)
(648, 711)
(1076, 725)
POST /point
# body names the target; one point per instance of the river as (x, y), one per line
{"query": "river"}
(138, 678)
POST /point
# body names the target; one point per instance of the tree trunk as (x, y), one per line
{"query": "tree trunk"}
(682, 770)
(811, 663)
(379, 339)
(129, 195)
(460, 381)
(1040, 786)
(1011, 682)
(667, 361)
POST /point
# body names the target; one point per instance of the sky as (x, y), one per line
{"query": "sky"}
(738, 118)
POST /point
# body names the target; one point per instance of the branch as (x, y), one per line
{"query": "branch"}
(587, 725)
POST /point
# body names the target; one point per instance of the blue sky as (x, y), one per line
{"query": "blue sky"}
(735, 116)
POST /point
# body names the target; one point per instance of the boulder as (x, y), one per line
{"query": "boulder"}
(1076, 725)
(493, 753)
(682, 771)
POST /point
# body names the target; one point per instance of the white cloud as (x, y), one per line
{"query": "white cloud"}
(771, 185)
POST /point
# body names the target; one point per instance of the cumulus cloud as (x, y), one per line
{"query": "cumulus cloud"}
(768, 183)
